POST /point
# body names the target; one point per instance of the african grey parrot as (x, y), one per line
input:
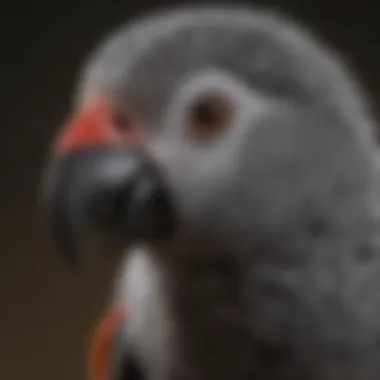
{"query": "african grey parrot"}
(234, 155)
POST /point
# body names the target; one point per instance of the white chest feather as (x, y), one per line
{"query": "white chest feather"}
(196, 332)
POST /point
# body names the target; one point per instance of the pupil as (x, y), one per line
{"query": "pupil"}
(207, 113)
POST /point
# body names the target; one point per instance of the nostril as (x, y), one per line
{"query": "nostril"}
(121, 121)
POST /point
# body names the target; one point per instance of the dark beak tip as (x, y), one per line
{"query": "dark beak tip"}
(53, 196)
(75, 188)
(65, 242)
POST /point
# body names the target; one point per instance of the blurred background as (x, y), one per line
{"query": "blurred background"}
(46, 310)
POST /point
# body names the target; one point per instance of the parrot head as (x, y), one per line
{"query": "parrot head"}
(223, 128)
(213, 133)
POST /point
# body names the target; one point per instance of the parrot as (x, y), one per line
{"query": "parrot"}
(232, 153)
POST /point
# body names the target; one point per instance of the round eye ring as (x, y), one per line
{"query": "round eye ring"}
(210, 114)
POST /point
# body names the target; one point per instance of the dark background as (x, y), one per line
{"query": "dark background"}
(46, 311)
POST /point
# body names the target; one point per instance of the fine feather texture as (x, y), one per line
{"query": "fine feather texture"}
(274, 273)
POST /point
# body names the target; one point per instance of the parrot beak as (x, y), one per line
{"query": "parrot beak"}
(98, 179)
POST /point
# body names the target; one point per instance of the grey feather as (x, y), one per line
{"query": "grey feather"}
(276, 271)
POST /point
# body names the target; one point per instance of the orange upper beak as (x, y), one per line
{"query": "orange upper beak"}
(96, 124)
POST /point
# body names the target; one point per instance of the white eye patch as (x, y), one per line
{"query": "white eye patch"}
(211, 160)
(247, 103)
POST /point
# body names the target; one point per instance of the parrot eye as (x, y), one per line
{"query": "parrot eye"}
(210, 114)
